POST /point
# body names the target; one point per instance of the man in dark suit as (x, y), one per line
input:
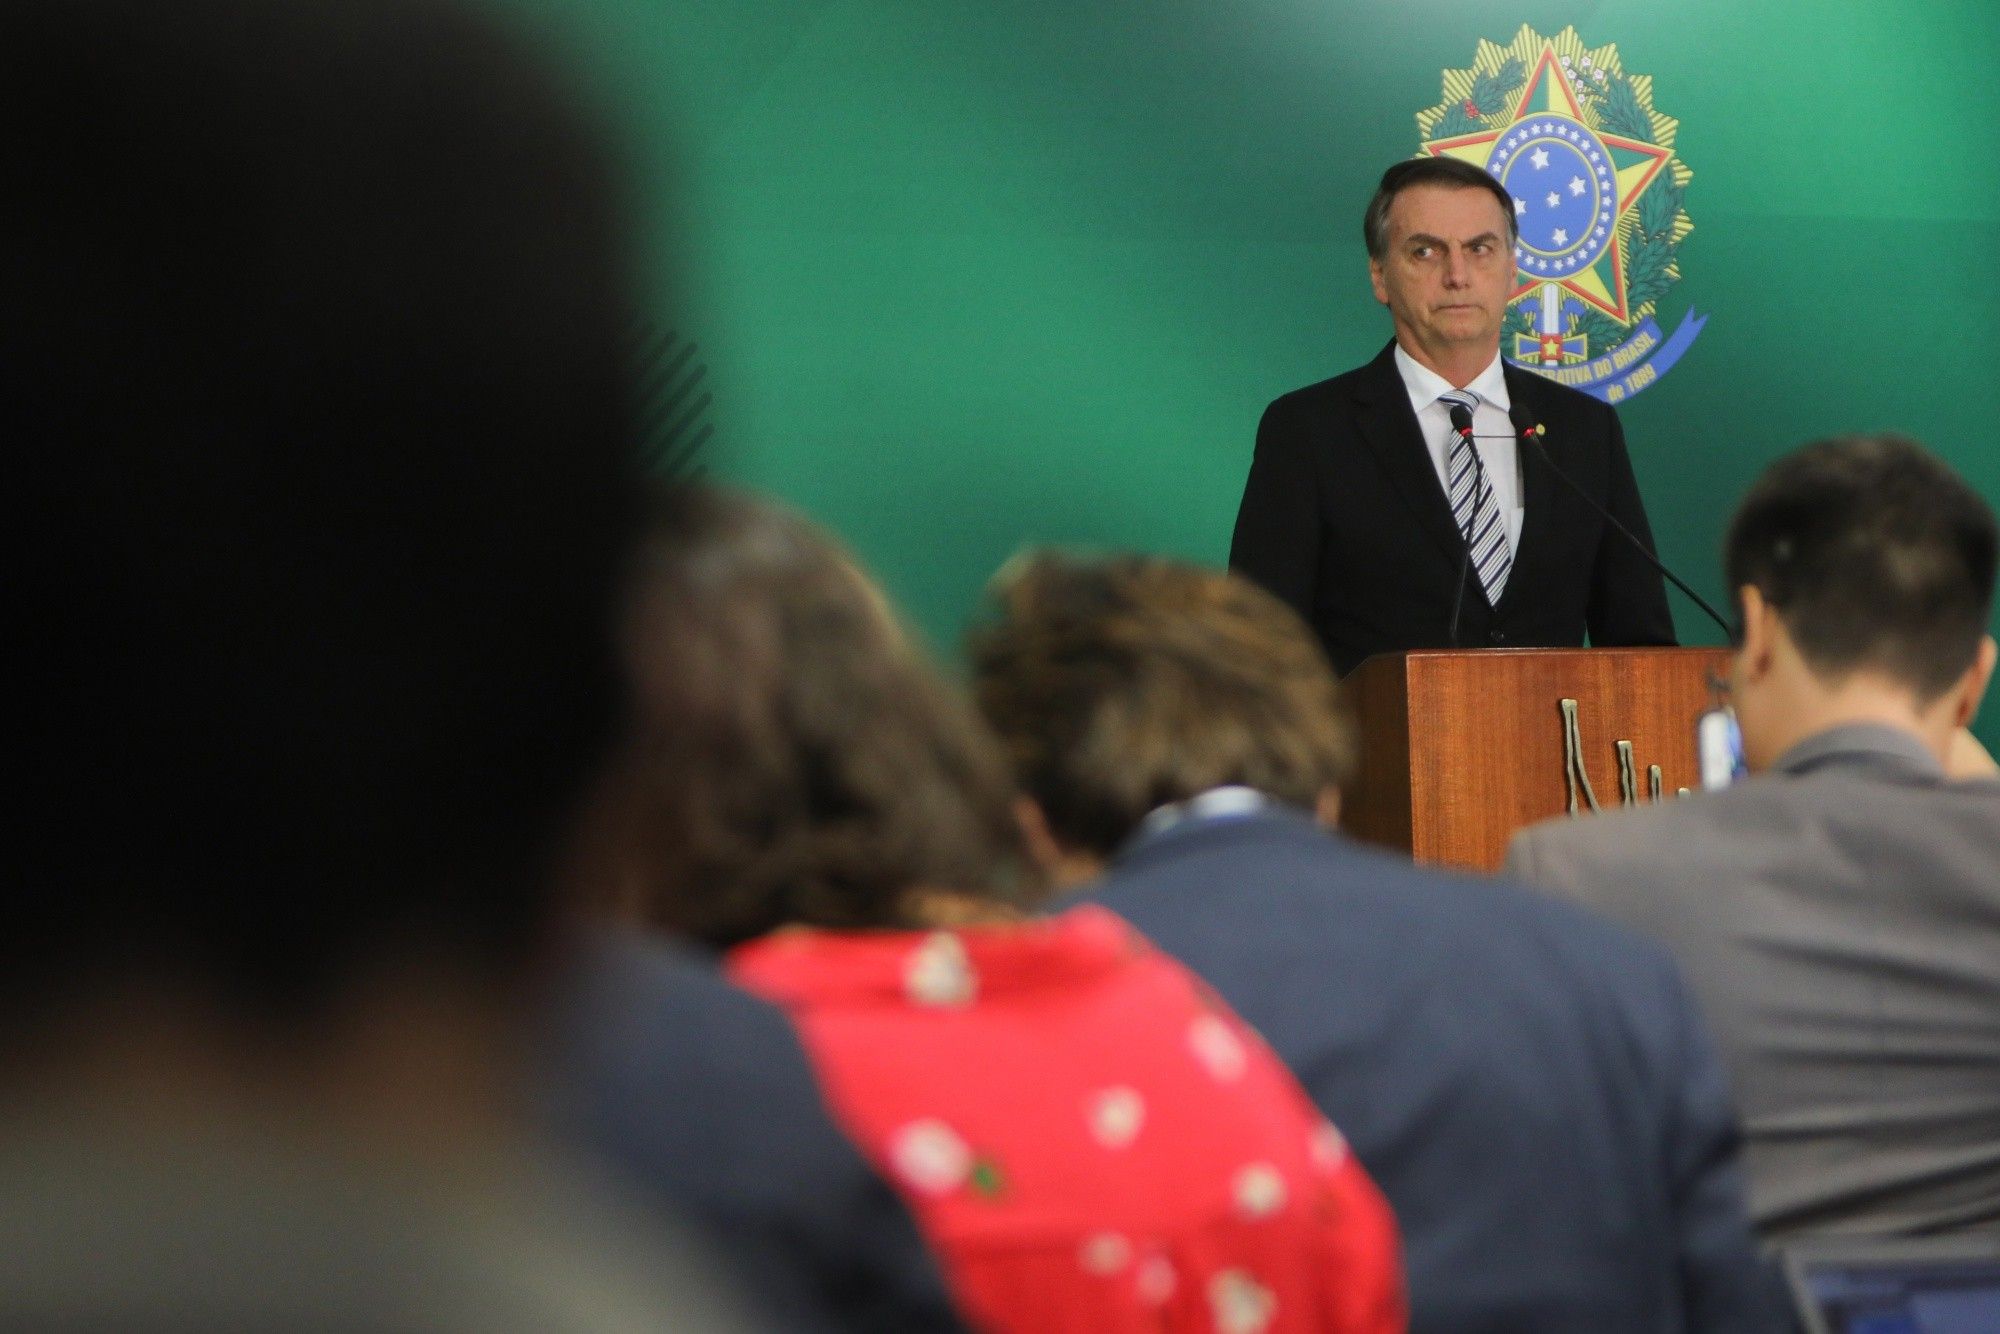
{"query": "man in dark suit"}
(1531, 1087)
(700, 1094)
(1397, 507)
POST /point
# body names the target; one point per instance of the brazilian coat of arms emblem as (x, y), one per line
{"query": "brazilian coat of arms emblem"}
(1598, 199)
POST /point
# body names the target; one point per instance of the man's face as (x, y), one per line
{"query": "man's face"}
(1446, 272)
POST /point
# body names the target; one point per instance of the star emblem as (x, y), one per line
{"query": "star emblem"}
(1554, 199)
(1520, 206)
(1630, 165)
(1576, 186)
(1562, 237)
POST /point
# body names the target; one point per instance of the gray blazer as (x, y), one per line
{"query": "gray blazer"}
(1839, 920)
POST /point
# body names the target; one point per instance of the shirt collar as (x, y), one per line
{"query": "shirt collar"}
(1424, 384)
(1872, 745)
(1167, 833)
(1218, 803)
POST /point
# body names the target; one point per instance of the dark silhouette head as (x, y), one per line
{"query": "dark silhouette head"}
(319, 448)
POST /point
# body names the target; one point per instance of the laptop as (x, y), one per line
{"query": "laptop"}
(1915, 1286)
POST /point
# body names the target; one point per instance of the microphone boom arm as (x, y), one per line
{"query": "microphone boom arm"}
(1532, 435)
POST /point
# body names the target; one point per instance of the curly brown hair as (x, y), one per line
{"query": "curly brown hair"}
(1122, 684)
(795, 758)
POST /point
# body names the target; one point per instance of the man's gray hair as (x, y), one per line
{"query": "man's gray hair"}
(1451, 172)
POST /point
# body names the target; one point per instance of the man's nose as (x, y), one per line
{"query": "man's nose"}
(1454, 268)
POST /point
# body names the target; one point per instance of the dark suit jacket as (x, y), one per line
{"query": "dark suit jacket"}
(1344, 518)
(700, 1095)
(1531, 1087)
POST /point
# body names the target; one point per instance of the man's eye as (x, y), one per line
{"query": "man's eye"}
(1421, 252)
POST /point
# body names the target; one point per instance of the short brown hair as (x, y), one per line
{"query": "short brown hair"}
(795, 759)
(1119, 685)
(1449, 172)
(1876, 554)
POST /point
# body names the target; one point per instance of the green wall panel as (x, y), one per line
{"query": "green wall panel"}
(971, 275)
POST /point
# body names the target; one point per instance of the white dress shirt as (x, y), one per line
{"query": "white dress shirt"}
(1492, 433)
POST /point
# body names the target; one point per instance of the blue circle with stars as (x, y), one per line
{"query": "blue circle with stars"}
(1565, 193)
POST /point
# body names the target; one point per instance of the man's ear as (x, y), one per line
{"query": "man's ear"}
(1035, 832)
(1972, 686)
(1375, 280)
(1065, 868)
(1760, 634)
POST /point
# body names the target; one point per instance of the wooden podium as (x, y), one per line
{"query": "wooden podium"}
(1461, 748)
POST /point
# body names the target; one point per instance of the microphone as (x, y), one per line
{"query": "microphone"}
(1532, 432)
(1461, 422)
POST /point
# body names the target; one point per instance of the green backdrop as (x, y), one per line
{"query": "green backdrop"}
(971, 275)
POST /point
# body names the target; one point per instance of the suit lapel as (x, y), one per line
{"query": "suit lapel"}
(1388, 428)
(1542, 496)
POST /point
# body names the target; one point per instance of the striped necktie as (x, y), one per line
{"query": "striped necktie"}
(1472, 502)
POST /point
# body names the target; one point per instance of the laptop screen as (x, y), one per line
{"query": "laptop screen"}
(1901, 1295)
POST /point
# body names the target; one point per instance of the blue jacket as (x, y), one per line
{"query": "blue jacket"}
(1532, 1088)
(700, 1095)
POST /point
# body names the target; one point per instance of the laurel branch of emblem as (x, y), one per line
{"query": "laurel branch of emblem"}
(1488, 96)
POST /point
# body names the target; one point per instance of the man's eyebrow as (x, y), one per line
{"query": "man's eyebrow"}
(1425, 238)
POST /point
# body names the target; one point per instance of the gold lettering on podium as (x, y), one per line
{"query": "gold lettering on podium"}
(1576, 773)
(1628, 776)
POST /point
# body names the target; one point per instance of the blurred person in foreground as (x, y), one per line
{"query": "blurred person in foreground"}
(320, 490)
(1530, 1087)
(1839, 912)
(1089, 1141)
